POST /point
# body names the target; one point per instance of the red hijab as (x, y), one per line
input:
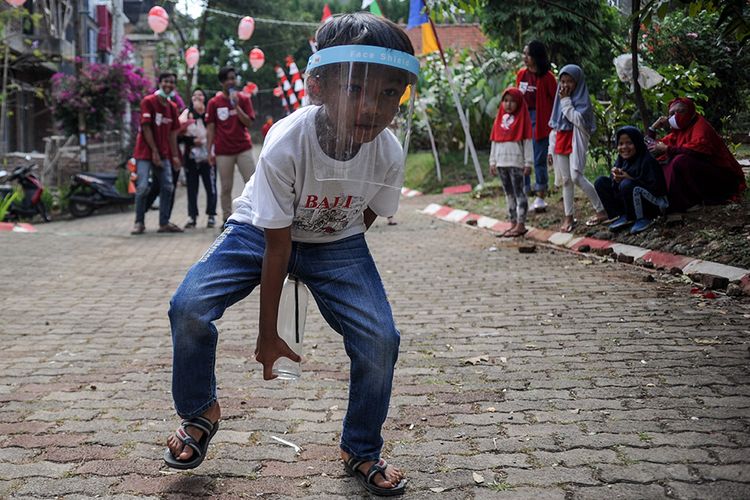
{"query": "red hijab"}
(512, 127)
(696, 134)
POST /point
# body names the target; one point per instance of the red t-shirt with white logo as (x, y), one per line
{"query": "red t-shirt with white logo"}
(231, 137)
(164, 118)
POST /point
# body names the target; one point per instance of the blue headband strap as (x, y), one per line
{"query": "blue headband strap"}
(364, 54)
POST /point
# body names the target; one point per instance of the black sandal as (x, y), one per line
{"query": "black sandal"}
(199, 447)
(352, 467)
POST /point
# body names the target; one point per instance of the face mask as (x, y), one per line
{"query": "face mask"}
(164, 95)
(673, 122)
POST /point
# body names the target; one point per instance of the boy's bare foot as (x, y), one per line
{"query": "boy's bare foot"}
(393, 475)
(182, 452)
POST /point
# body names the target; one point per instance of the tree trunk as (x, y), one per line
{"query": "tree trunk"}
(635, 30)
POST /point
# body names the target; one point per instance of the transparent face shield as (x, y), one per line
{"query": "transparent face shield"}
(366, 97)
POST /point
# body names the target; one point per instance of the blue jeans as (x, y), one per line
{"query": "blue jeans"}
(144, 169)
(345, 283)
(540, 160)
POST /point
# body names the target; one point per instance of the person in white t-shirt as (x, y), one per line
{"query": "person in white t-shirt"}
(325, 173)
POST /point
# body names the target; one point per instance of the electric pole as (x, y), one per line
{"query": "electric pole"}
(80, 41)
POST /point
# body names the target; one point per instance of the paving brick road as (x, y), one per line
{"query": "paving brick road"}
(521, 376)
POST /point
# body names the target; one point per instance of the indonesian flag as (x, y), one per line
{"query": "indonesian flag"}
(326, 14)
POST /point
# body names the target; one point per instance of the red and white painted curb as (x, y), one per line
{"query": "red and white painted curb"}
(410, 193)
(20, 227)
(638, 255)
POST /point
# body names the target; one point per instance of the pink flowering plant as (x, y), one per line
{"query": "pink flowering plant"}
(101, 92)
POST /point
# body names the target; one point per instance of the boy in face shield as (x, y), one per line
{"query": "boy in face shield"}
(325, 173)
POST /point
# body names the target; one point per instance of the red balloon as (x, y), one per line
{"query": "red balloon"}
(192, 55)
(158, 19)
(16, 3)
(257, 58)
(278, 92)
(246, 28)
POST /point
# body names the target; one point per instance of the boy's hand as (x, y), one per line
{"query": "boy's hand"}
(268, 349)
(526, 171)
(493, 170)
(549, 160)
(156, 158)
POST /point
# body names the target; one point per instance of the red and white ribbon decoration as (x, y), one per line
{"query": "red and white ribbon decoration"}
(297, 83)
(287, 88)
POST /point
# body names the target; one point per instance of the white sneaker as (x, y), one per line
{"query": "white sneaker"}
(539, 205)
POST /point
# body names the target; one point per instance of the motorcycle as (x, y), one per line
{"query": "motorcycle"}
(89, 191)
(31, 204)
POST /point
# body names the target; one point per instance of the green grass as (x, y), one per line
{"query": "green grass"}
(421, 174)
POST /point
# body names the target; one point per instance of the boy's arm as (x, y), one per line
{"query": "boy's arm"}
(176, 161)
(269, 346)
(148, 136)
(210, 132)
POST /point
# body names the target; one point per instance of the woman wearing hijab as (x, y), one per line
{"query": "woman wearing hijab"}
(699, 167)
(635, 193)
(538, 85)
(572, 122)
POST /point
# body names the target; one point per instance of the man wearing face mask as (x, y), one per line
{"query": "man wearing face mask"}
(698, 166)
(156, 151)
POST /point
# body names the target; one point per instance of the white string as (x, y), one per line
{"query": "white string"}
(256, 19)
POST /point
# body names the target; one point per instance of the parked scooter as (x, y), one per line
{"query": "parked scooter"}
(89, 191)
(32, 188)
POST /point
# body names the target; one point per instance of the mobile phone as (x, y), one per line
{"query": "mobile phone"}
(650, 141)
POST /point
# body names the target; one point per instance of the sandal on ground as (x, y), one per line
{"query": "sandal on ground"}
(199, 447)
(568, 228)
(368, 480)
(594, 220)
(517, 234)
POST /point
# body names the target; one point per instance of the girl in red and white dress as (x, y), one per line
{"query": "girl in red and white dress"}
(511, 156)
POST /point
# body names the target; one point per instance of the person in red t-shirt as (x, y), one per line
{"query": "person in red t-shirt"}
(156, 152)
(228, 116)
(539, 87)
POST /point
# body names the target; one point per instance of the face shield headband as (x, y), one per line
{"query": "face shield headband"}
(367, 97)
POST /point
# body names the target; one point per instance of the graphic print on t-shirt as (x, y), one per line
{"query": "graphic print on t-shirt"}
(322, 214)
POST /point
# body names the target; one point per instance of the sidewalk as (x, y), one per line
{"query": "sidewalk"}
(545, 376)
(713, 275)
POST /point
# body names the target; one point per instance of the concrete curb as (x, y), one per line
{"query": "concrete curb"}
(710, 274)
(410, 193)
(20, 227)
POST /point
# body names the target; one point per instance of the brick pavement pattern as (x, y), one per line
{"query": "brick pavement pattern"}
(545, 375)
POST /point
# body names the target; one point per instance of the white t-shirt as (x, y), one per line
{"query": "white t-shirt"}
(284, 190)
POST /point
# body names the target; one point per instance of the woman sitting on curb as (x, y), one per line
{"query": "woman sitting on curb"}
(699, 167)
(635, 192)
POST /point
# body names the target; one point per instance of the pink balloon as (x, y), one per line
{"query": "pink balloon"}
(257, 58)
(192, 55)
(16, 3)
(158, 20)
(246, 28)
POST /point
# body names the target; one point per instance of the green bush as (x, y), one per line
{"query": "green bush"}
(695, 42)
(479, 79)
